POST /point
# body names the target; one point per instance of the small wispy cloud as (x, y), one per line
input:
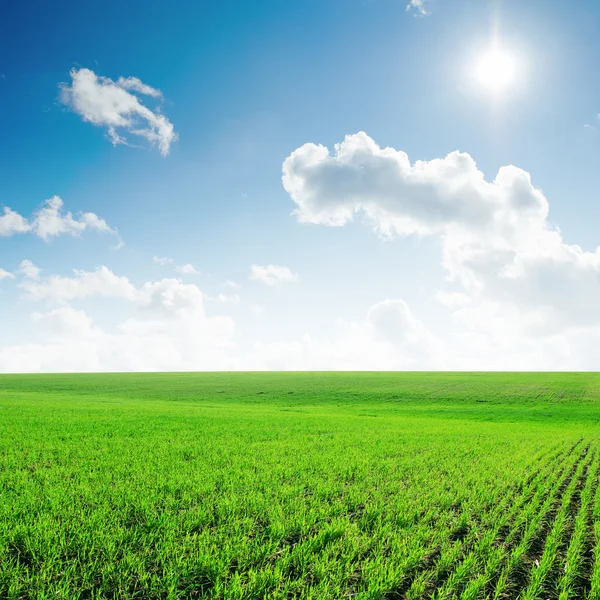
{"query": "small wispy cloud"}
(136, 85)
(115, 106)
(592, 127)
(272, 274)
(162, 260)
(225, 298)
(187, 269)
(418, 8)
(29, 270)
(4, 274)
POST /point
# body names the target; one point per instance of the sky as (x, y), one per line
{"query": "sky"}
(322, 185)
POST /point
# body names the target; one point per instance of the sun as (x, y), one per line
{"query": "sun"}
(496, 70)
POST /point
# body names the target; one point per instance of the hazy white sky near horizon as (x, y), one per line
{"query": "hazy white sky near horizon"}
(334, 184)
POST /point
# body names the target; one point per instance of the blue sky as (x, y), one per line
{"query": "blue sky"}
(243, 86)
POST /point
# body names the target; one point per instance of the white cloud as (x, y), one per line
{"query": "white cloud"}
(418, 7)
(6, 274)
(225, 298)
(12, 223)
(390, 338)
(515, 294)
(162, 260)
(393, 321)
(106, 103)
(452, 299)
(168, 330)
(163, 298)
(101, 282)
(232, 285)
(510, 275)
(50, 220)
(170, 296)
(64, 322)
(29, 270)
(429, 197)
(136, 85)
(272, 274)
(187, 269)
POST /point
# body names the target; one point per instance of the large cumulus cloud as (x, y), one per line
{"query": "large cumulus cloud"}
(503, 259)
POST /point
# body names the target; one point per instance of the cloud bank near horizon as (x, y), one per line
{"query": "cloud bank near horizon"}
(517, 295)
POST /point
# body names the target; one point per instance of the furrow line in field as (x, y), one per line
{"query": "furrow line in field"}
(474, 572)
(453, 581)
(594, 583)
(471, 576)
(541, 557)
(575, 560)
(426, 572)
(504, 573)
(587, 559)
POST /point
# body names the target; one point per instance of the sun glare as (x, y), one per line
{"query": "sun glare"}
(496, 70)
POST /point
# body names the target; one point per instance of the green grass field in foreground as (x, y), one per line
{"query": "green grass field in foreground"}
(312, 485)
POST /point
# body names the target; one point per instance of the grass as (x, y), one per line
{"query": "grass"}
(300, 485)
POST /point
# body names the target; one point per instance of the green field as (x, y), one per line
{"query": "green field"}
(300, 485)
